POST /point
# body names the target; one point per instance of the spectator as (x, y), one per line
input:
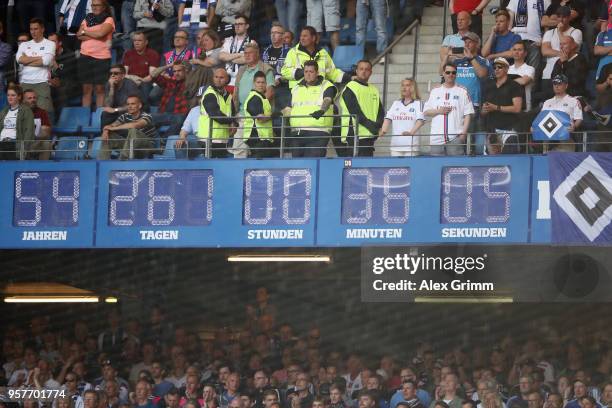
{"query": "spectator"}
(405, 118)
(450, 108)
(181, 51)
(229, 13)
(211, 49)
(318, 11)
(454, 41)
(134, 128)
(215, 103)
(501, 39)
(244, 85)
(570, 105)
(595, 21)
(35, 58)
(16, 133)
(474, 8)
(63, 81)
(128, 23)
(202, 69)
(258, 131)
(551, 19)
(150, 16)
(288, 13)
(308, 49)
(95, 34)
(311, 110)
(523, 74)
(288, 38)
(117, 90)
(603, 49)
(141, 60)
(194, 15)
(409, 397)
(503, 102)
(274, 55)
(233, 49)
(404, 16)
(174, 105)
(6, 55)
(448, 392)
(378, 10)
(526, 16)
(14, 69)
(41, 147)
(71, 16)
(551, 43)
(574, 66)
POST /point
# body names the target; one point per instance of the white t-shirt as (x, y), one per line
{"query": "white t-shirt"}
(445, 128)
(44, 49)
(9, 131)
(403, 118)
(532, 31)
(552, 36)
(524, 70)
(567, 104)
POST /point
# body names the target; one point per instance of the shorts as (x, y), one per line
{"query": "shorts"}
(92, 70)
(319, 10)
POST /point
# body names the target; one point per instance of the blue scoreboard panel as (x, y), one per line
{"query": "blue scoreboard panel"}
(46, 205)
(274, 203)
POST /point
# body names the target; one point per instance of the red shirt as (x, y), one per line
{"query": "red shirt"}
(41, 118)
(139, 64)
(465, 5)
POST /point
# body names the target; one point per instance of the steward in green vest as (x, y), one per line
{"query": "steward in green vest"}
(216, 107)
(308, 50)
(362, 100)
(311, 113)
(258, 132)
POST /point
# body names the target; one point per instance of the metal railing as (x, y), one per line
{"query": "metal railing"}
(415, 56)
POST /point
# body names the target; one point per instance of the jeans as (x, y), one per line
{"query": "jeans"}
(379, 12)
(288, 12)
(171, 27)
(404, 16)
(128, 24)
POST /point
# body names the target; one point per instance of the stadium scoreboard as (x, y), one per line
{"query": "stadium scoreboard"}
(270, 203)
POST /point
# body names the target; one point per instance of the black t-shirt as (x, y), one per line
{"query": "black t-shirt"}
(501, 96)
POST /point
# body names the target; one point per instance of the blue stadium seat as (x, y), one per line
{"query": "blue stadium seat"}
(95, 148)
(71, 148)
(169, 152)
(153, 109)
(72, 120)
(94, 127)
(345, 56)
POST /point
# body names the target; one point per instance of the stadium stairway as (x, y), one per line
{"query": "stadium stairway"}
(400, 60)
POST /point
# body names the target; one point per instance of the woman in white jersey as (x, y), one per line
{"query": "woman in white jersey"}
(405, 118)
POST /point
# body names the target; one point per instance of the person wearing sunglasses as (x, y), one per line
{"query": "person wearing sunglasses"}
(116, 91)
(503, 100)
(450, 109)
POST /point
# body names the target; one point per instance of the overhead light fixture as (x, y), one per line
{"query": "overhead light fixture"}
(279, 258)
(458, 299)
(51, 299)
(111, 299)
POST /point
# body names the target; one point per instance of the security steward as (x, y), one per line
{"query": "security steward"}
(258, 133)
(308, 50)
(362, 100)
(215, 103)
(311, 112)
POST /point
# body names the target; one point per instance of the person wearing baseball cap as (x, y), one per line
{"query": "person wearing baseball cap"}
(503, 100)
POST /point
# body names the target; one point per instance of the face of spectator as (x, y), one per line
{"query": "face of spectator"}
(97, 7)
(30, 98)
(564, 20)
(140, 42)
(364, 71)
(301, 383)
(276, 36)
(524, 385)
(408, 391)
(335, 396)
(372, 383)
(233, 382)
(200, 35)
(580, 389)
(330, 373)
(269, 400)
(586, 403)
(560, 90)
(607, 391)
(90, 400)
(501, 70)
(569, 47)
(63, 403)
(259, 379)
(501, 24)
(240, 26)
(307, 39)
(192, 384)
(172, 400)
(208, 393)
(134, 106)
(288, 38)
(554, 401)
(310, 74)
(471, 46)
(181, 39)
(117, 74)
(142, 391)
(365, 401)
(534, 400)
(224, 372)
(518, 52)
(37, 31)
(22, 38)
(58, 44)
(450, 75)
(235, 403)
(179, 75)
(245, 401)
(463, 21)
(406, 91)
(251, 56)
(111, 389)
(207, 43)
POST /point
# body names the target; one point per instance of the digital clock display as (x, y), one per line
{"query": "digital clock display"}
(475, 195)
(140, 198)
(46, 199)
(375, 196)
(277, 197)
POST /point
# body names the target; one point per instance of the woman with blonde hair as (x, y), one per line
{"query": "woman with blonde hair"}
(405, 118)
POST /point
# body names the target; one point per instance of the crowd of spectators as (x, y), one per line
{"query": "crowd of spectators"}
(264, 362)
(163, 56)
